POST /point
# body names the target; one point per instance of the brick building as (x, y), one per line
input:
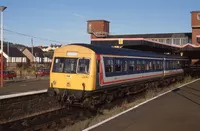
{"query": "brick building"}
(195, 23)
(99, 29)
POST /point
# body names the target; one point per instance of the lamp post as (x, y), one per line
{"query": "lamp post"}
(2, 8)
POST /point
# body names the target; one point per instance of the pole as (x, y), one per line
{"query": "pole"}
(32, 48)
(8, 60)
(2, 58)
(8, 49)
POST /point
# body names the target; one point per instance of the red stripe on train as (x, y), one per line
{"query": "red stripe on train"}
(102, 82)
(143, 77)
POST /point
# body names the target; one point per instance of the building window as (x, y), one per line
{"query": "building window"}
(13, 59)
(198, 16)
(161, 40)
(184, 41)
(169, 41)
(176, 41)
(198, 39)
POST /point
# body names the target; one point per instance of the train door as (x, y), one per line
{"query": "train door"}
(98, 71)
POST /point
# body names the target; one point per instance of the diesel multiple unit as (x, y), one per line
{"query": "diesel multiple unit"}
(84, 72)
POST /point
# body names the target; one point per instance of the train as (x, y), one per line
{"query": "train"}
(88, 74)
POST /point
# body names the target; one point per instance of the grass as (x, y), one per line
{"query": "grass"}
(109, 113)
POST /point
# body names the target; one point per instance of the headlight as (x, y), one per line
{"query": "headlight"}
(54, 82)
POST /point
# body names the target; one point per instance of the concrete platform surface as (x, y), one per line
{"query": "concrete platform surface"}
(178, 110)
(24, 86)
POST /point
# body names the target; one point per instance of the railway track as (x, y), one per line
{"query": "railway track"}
(43, 113)
(61, 117)
(20, 107)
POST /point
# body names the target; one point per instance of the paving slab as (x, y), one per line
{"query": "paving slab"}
(21, 86)
(178, 110)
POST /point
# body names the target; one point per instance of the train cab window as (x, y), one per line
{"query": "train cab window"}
(118, 65)
(65, 65)
(70, 65)
(58, 65)
(108, 65)
(83, 66)
(131, 66)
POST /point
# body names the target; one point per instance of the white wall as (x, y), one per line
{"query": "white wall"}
(46, 59)
(17, 59)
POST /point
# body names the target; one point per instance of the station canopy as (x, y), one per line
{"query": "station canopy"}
(143, 44)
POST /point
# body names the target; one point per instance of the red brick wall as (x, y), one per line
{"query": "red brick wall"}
(98, 26)
(194, 20)
(195, 32)
(195, 23)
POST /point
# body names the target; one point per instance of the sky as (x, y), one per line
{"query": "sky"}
(66, 20)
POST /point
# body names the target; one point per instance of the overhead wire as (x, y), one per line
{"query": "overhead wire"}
(40, 38)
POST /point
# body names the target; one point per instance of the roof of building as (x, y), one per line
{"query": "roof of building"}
(144, 45)
(36, 51)
(13, 52)
(195, 11)
(98, 20)
(157, 35)
(125, 52)
(54, 45)
(136, 43)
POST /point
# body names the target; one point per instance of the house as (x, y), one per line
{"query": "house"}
(35, 55)
(13, 57)
(50, 47)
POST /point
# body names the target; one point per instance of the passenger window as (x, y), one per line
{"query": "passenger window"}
(131, 66)
(161, 65)
(108, 65)
(179, 64)
(147, 66)
(125, 65)
(118, 65)
(143, 66)
(158, 65)
(83, 66)
(150, 65)
(168, 65)
(138, 65)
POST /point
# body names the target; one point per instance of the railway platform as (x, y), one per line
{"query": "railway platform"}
(178, 110)
(22, 86)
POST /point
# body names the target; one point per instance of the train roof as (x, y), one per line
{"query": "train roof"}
(124, 52)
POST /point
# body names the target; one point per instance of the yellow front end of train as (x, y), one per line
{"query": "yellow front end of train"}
(73, 68)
